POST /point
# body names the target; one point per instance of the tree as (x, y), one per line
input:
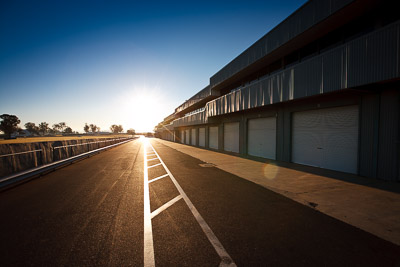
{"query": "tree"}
(62, 126)
(31, 127)
(68, 130)
(56, 127)
(116, 128)
(93, 128)
(113, 128)
(43, 127)
(131, 131)
(9, 124)
(86, 128)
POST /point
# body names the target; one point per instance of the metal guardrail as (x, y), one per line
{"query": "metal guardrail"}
(59, 147)
(24, 175)
(19, 153)
(109, 140)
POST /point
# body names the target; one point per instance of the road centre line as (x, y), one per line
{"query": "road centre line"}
(226, 260)
(158, 164)
(165, 206)
(158, 178)
(148, 229)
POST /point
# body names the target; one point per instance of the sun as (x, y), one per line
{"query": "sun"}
(141, 110)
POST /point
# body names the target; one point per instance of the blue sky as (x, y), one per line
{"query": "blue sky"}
(120, 62)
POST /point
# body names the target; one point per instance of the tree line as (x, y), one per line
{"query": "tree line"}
(9, 125)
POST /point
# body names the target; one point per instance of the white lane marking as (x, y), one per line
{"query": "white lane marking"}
(158, 178)
(226, 260)
(152, 159)
(158, 164)
(165, 206)
(151, 155)
(148, 230)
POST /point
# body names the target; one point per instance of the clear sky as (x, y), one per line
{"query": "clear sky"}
(120, 62)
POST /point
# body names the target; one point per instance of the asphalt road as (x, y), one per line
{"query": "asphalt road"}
(95, 212)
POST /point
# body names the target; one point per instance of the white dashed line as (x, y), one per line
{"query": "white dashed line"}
(152, 166)
(158, 178)
(226, 260)
(165, 206)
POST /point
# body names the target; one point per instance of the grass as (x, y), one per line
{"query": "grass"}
(58, 138)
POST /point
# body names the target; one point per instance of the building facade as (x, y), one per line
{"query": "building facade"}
(320, 89)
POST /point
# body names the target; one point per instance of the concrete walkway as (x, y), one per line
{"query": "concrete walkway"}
(368, 204)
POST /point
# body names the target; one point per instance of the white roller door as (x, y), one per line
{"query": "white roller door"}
(231, 137)
(202, 137)
(187, 138)
(326, 138)
(193, 140)
(262, 137)
(213, 137)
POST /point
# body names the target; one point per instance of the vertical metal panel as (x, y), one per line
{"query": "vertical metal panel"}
(368, 59)
(372, 57)
(388, 156)
(308, 78)
(333, 62)
(369, 135)
(287, 83)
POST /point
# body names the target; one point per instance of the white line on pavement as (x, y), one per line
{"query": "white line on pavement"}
(158, 164)
(152, 159)
(148, 231)
(165, 206)
(226, 260)
(158, 178)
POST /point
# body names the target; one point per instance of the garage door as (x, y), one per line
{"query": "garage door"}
(193, 140)
(231, 137)
(182, 136)
(326, 138)
(213, 137)
(262, 137)
(202, 137)
(187, 138)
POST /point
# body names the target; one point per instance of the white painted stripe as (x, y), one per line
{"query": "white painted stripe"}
(152, 159)
(148, 231)
(165, 206)
(151, 155)
(158, 178)
(226, 260)
(158, 164)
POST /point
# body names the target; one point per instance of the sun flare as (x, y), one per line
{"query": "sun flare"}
(142, 110)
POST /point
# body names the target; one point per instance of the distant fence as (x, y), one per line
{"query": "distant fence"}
(42, 153)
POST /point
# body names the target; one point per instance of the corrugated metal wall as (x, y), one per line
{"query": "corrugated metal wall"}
(197, 118)
(368, 59)
(205, 93)
(305, 17)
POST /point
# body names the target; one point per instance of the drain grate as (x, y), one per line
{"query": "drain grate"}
(207, 165)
